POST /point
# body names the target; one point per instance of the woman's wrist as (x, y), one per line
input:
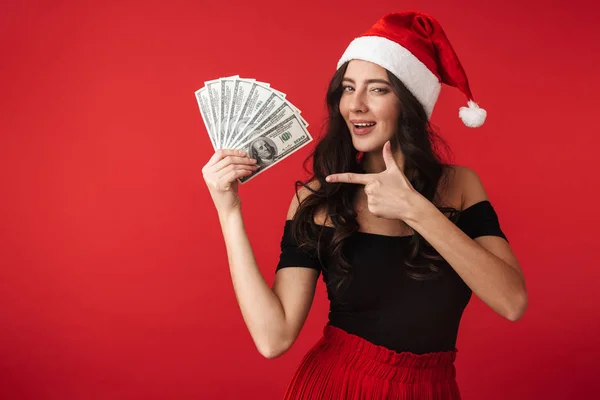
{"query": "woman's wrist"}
(420, 208)
(231, 215)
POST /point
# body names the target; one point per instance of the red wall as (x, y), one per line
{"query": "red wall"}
(114, 281)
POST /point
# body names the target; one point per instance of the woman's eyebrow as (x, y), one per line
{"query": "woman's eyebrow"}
(368, 81)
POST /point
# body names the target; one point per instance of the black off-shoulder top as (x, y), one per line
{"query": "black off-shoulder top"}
(384, 305)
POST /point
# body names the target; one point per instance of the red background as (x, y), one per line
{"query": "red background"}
(114, 281)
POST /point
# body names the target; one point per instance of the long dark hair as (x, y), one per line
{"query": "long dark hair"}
(335, 153)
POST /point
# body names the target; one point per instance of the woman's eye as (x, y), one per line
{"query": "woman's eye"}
(380, 90)
(347, 88)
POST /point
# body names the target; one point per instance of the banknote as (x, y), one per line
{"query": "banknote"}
(272, 103)
(203, 100)
(257, 97)
(241, 91)
(285, 110)
(276, 143)
(225, 97)
(214, 96)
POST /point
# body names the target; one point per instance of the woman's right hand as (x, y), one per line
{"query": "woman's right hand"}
(221, 173)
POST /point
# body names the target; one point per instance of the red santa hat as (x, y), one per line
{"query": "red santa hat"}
(413, 46)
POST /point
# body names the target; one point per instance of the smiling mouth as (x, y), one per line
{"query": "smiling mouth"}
(363, 124)
(362, 128)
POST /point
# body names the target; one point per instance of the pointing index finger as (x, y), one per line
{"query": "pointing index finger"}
(350, 177)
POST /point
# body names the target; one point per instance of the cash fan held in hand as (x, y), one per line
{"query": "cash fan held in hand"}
(252, 116)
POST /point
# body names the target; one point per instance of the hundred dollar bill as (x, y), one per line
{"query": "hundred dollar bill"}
(204, 106)
(275, 144)
(258, 95)
(214, 94)
(225, 97)
(270, 105)
(240, 93)
(285, 110)
(284, 96)
(274, 90)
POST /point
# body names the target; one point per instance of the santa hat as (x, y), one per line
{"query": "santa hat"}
(413, 46)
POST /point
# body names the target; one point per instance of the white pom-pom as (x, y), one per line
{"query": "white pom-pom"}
(472, 116)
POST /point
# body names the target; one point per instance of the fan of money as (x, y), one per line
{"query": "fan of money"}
(245, 114)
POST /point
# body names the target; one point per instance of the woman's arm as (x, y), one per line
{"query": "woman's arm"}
(486, 264)
(274, 316)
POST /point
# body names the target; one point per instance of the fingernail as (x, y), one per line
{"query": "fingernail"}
(328, 179)
(253, 159)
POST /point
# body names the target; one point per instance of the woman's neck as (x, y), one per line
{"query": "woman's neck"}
(373, 162)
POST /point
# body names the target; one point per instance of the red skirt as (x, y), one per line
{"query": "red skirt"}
(346, 366)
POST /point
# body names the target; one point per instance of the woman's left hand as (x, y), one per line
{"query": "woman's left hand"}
(390, 194)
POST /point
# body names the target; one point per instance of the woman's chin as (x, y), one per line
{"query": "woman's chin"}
(367, 145)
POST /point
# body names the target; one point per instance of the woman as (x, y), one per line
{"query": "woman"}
(402, 240)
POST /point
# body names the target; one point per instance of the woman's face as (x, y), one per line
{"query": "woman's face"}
(369, 105)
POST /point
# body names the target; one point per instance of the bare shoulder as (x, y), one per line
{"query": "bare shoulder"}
(474, 192)
(301, 194)
(460, 187)
(472, 189)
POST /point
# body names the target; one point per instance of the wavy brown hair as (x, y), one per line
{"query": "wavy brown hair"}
(335, 153)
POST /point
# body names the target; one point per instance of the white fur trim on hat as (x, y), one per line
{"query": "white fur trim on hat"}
(421, 82)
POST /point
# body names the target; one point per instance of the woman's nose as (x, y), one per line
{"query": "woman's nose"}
(358, 103)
